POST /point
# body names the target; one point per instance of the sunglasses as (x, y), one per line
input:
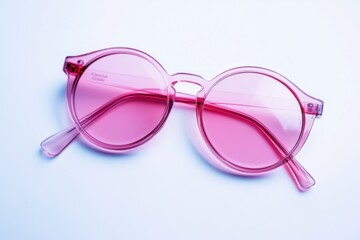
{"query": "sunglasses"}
(252, 119)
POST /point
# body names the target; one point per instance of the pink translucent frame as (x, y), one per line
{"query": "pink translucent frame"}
(251, 119)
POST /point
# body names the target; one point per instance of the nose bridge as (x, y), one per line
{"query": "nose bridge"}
(187, 83)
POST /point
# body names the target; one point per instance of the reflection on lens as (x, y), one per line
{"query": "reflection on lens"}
(251, 120)
(119, 100)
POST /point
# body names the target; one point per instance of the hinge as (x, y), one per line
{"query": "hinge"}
(72, 68)
(313, 108)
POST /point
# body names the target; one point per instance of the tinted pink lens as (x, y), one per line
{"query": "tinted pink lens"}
(251, 120)
(120, 100)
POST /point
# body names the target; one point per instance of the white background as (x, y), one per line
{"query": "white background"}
(165, 190)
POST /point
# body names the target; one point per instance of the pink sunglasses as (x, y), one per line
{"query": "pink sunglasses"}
(252, 119)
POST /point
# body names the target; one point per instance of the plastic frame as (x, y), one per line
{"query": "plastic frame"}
(74, 66)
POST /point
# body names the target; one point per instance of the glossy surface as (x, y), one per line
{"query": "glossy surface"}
(252, 119)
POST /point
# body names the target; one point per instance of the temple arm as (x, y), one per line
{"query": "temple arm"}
(56, 143)
(302, 178)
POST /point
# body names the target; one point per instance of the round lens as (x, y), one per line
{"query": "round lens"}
(120, 101)
(251, 120)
